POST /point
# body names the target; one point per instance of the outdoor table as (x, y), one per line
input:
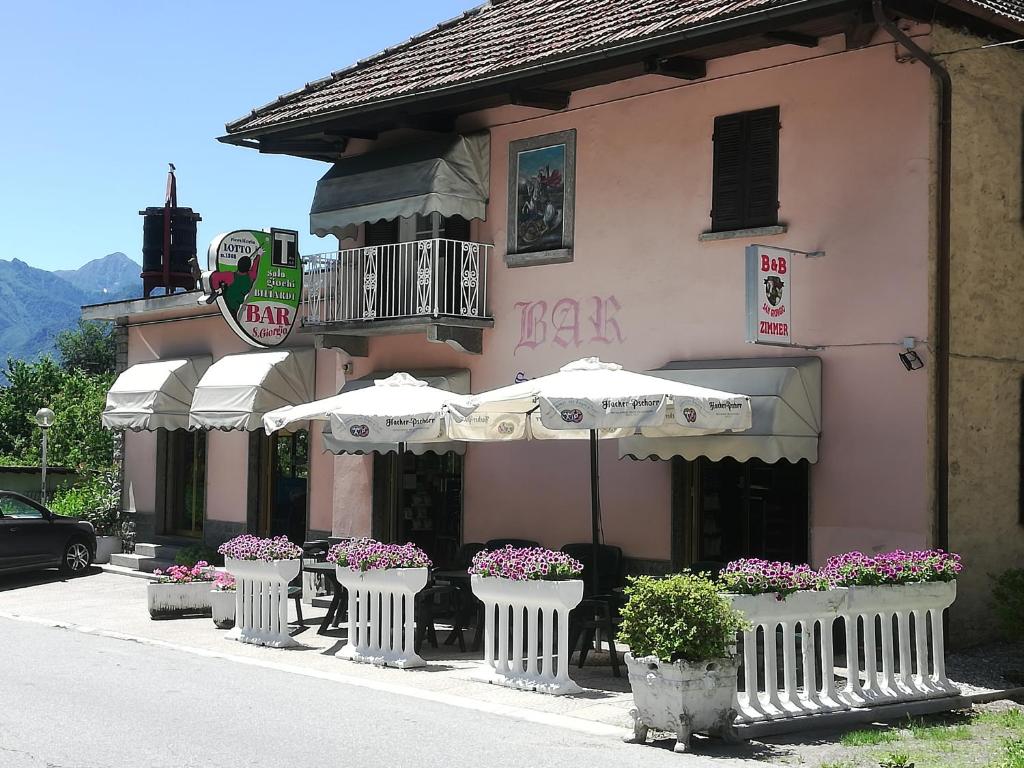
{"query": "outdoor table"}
(460, 579)
(337, 601)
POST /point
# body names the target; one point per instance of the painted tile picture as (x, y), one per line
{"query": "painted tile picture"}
(541, 195)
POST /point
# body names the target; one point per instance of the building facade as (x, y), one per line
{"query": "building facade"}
(632, 191)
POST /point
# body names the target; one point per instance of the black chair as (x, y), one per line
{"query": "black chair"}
(464, 557)
(499, 543)
(432, 603)
(598, 611)
(315, 550)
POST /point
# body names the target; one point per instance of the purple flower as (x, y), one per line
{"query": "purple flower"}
(526, 564)
(249, 547)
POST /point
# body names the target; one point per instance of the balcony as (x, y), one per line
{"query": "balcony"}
(434, 286)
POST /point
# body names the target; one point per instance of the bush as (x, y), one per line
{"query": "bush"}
(1009, 602)
(194, 553)
(94, 499)
(682, 617)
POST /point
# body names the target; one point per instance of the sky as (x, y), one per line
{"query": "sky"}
(97, 97)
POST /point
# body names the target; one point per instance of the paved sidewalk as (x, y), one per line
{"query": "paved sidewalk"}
(110, 603)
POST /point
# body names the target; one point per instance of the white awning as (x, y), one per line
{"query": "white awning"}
(238, 389)
(452, 380)
(155, 395)
(785, 397)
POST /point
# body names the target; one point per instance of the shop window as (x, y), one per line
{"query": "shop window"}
(729, 509)
(745, 188)
(184, 480)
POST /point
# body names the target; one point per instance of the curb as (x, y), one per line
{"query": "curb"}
(564, 722)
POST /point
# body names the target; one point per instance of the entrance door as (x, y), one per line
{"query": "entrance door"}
(728, 509)
(184, 489)
(283, 485)
(423, 504)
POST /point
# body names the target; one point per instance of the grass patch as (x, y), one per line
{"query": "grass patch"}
(868, 737)
(1009, 718)
(837, 764)
(941, 733)
(1013, 755)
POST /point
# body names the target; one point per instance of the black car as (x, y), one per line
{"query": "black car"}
(32, 537)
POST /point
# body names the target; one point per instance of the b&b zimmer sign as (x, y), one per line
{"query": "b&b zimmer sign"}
(769, 294)
(256, 280)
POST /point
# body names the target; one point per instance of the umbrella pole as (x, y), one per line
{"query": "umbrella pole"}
(399, 494)
(595, 511)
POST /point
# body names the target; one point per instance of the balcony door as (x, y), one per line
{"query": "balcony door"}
(183, 481)
(281, 484)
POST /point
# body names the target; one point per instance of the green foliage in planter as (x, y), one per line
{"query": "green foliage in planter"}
(681, 617)
(1008, 604)
(193, 553)
(94, 499)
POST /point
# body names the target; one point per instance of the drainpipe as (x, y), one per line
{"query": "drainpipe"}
(942, 269)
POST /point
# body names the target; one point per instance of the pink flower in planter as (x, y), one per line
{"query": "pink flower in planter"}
(182, 574)
(526, 564)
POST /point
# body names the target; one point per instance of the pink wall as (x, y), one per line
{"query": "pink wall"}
(854, 181)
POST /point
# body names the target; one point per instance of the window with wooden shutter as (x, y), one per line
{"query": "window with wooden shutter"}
(383, 232)
(745, 188)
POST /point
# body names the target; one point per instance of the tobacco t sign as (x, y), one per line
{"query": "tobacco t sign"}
(769, 292)
(256, 280)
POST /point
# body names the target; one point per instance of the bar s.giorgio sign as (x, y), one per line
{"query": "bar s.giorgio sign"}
(769, 295)
(256, 279)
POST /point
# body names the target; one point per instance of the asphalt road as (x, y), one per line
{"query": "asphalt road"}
(69, 699)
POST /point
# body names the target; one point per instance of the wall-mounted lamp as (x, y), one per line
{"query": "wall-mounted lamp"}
(909, 357)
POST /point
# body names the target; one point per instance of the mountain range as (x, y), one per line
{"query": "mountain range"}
(40, 304)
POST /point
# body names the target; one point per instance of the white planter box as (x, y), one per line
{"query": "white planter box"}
(171, 601)
(683, 698)
(790, 622)
(507, 660)
(222, 602)
(896, 618)
(261, 600)
(381, 615)
(105, 547)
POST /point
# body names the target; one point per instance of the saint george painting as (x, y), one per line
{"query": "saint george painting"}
(541, 199)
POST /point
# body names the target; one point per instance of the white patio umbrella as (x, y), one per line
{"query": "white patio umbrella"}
(593, 399)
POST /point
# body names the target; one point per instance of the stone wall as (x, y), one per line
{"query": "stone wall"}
(987, 336)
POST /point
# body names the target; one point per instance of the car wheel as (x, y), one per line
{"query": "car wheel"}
(76, 559)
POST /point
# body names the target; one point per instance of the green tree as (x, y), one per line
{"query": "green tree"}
(90, 347)
(77, 438)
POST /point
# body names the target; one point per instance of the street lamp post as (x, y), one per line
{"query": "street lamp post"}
(44, 418)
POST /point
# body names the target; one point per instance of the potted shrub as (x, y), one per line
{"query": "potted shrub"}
(382, 581)
(682, 668)
(538, 585)
(97, 501)
(262, 569)
(180, 591)
(222, 600)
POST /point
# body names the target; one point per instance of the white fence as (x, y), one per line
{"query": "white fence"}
(425, 278)
(894, 649)
(518, 611)
(261, 600)
(381, 616)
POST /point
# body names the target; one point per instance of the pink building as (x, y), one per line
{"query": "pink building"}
(523, 186)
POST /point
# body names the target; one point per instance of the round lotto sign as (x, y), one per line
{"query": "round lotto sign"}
(256, 279)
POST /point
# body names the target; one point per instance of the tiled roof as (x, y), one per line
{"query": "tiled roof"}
(504, 36)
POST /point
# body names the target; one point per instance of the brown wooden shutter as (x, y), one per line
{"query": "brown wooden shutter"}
(383, 232)
(745, 187)
(762, 183)
(729, 172)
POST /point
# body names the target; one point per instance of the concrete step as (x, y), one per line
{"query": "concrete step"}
(137, 562)
(161, 551)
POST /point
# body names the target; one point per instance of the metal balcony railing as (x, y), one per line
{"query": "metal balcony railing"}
(424, 278)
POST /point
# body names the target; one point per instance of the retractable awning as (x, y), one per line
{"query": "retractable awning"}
(452, 380)
(237, 390)
(785, 398)
(155, 395)
(450, 176)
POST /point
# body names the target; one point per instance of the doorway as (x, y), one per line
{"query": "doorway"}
(282, 483)
(184, 482)
(725, 510)
(422, 503)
